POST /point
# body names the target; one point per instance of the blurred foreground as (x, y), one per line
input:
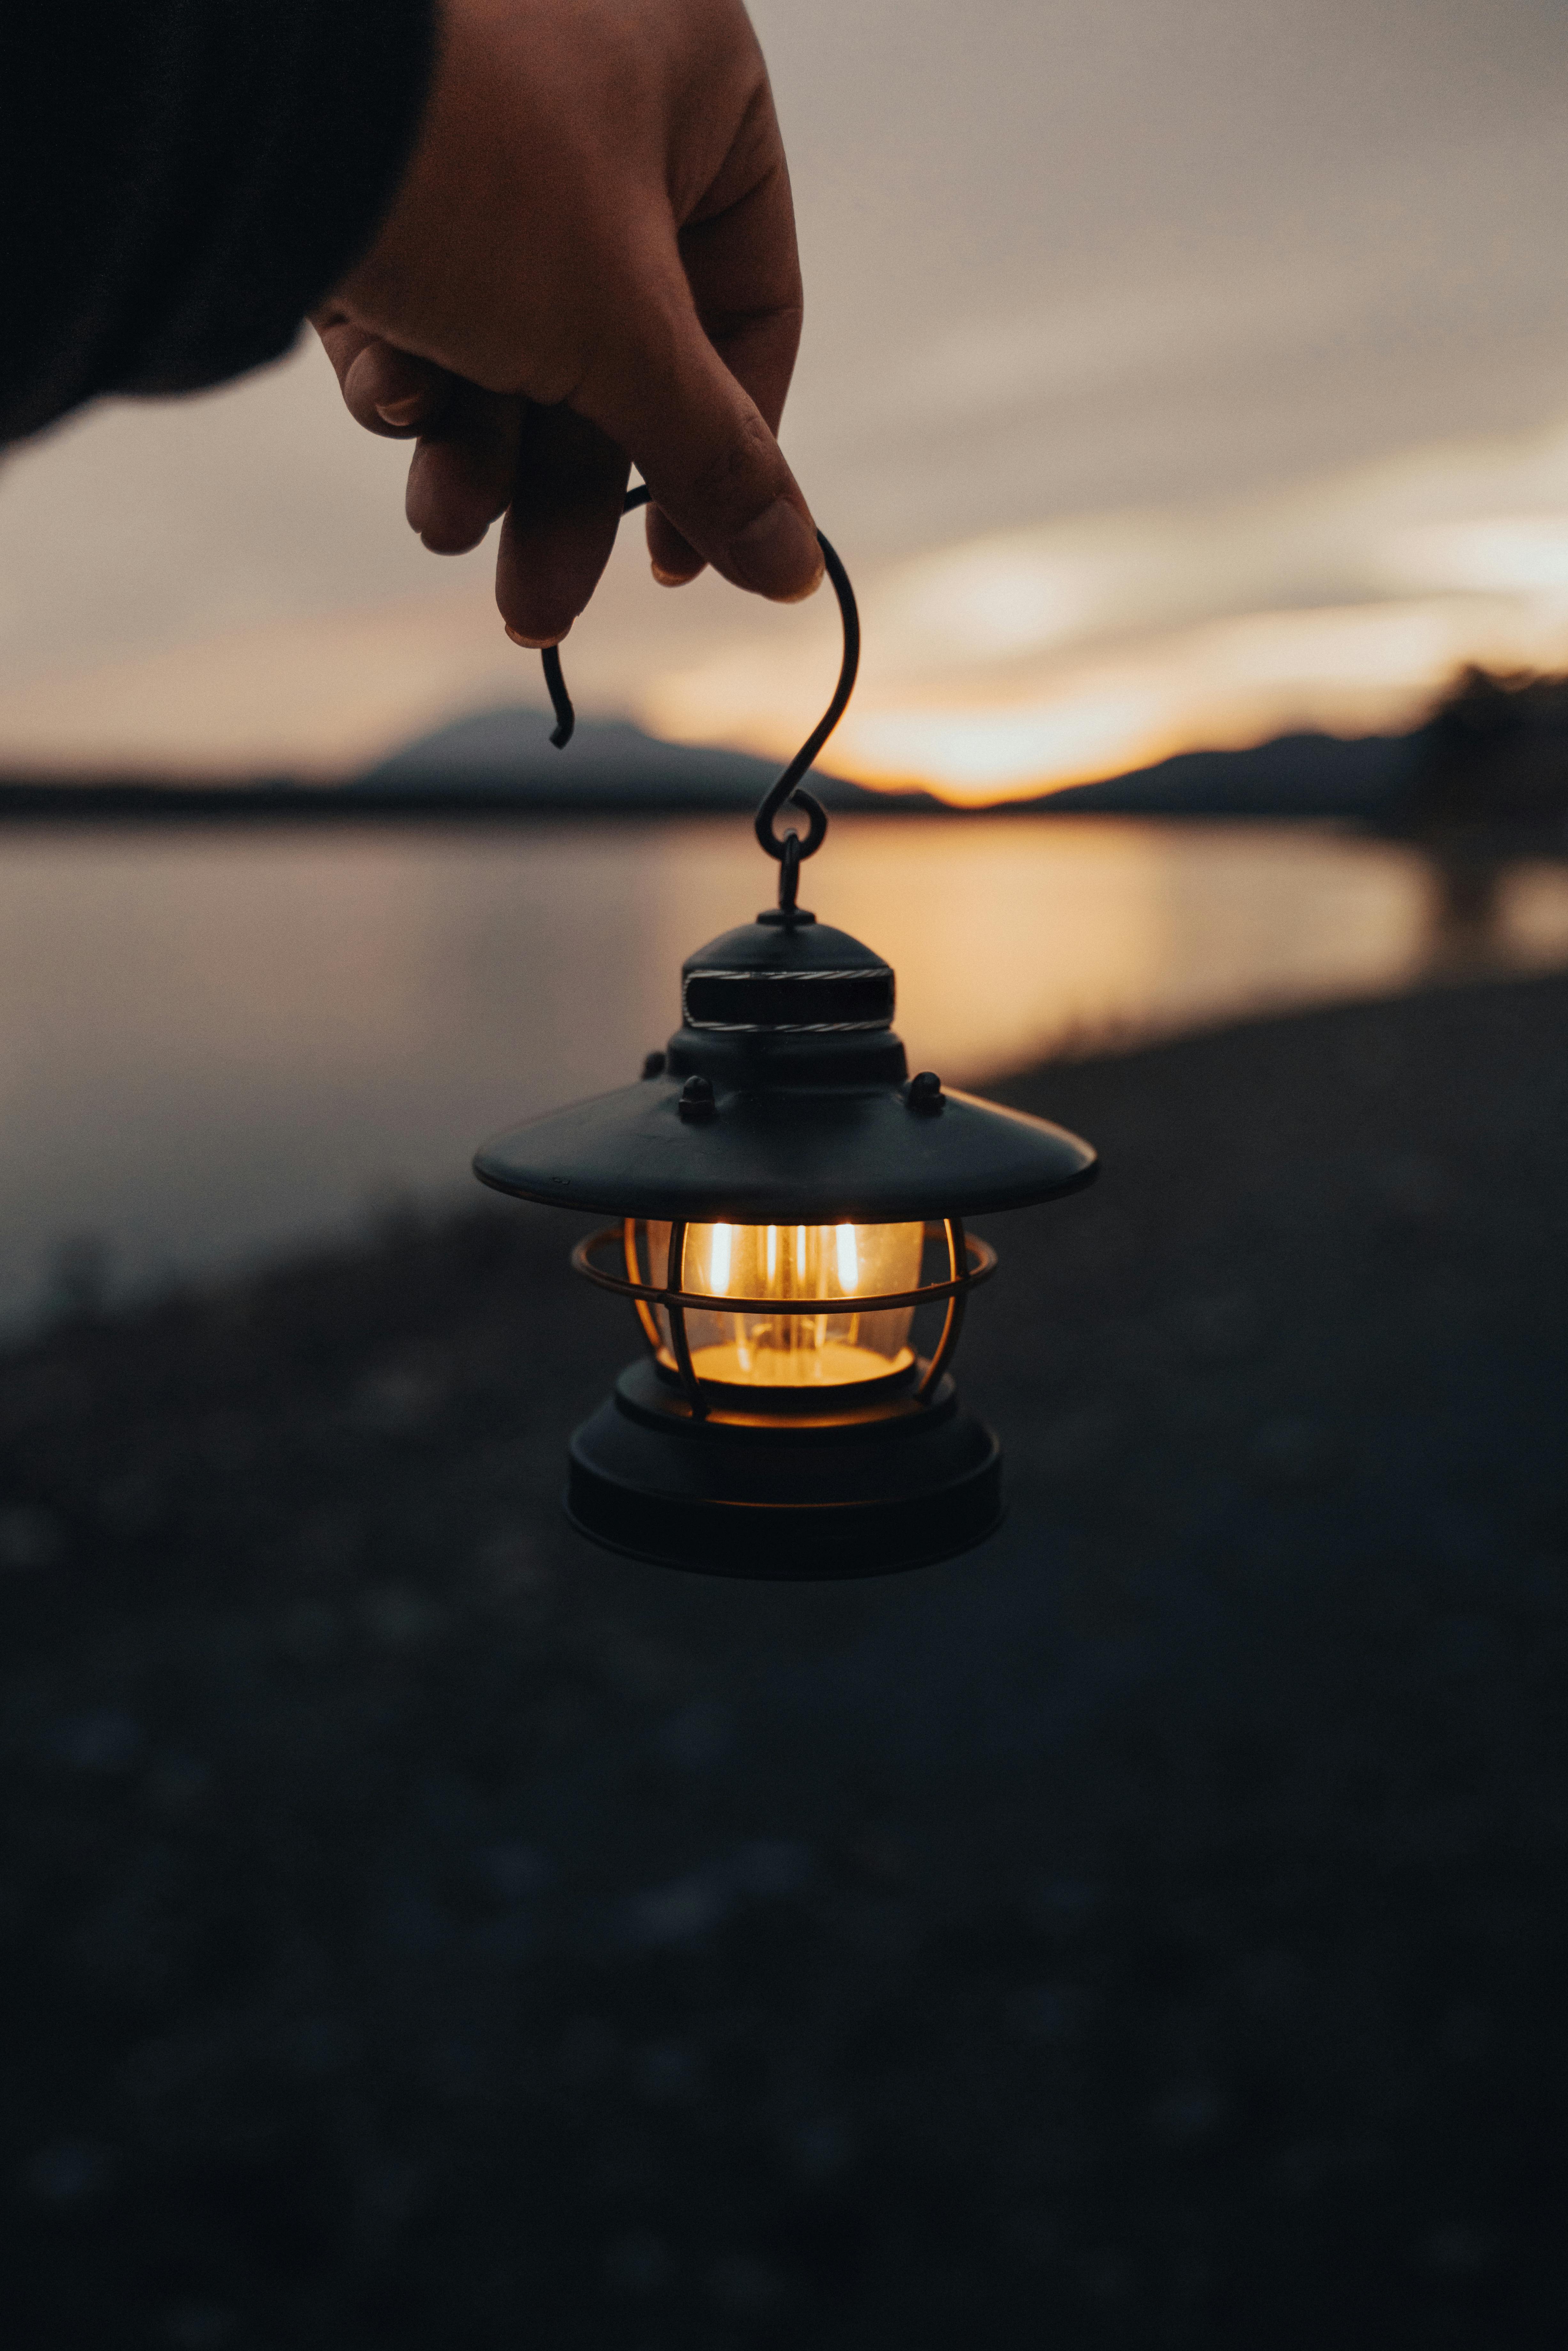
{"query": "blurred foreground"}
(419, 1929)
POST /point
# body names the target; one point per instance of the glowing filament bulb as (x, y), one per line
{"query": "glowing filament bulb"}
(749, 1276)
(718, 1266)
(849, 1261)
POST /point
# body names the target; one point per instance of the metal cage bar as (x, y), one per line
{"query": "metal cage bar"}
(634, 1273)
(979, 1264)
(675, 1306)
(957, 1246)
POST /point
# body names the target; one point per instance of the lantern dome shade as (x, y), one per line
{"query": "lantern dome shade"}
(804, 1112)
(786, 1155)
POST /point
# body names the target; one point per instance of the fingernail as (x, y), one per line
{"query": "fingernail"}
(671, 579)
(532, 644)
(400, 412)
(778, 554)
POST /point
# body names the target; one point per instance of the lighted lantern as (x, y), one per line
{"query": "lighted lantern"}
(789, 1203)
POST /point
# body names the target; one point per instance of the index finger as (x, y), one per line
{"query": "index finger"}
(742, 265)
(662, 393)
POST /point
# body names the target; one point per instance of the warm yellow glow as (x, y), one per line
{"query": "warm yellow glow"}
(849, 1261)
(719, 1259)
(755, 1348)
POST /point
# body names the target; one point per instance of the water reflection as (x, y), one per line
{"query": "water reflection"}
(213, 1043)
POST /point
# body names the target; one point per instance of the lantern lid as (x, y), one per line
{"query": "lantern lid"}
(786, 975)
(784, 1097)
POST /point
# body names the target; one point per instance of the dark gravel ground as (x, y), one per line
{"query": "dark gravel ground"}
(418, 1929)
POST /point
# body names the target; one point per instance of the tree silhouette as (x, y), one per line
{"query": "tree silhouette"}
(1494, 755)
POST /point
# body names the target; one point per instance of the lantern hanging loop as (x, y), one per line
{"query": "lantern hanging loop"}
(789, 848)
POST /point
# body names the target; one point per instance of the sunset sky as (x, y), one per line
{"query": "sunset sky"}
(1177, 371)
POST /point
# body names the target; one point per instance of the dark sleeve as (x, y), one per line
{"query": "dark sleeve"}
(182, 180)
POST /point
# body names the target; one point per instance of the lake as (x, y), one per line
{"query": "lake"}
(217, 1043)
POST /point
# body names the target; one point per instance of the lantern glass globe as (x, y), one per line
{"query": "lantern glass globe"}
(761, 1345)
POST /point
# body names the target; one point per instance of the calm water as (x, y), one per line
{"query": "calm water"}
(213, 1044)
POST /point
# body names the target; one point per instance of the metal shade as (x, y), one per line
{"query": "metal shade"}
(785, 1156)
(784, 1098)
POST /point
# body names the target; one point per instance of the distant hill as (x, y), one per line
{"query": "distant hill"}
(1307, 775)
(504, 760)
(615, 765)
(608, 765)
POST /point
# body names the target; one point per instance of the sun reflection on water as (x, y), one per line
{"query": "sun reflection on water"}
(213, 1045)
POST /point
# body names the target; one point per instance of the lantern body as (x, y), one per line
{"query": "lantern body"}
(789, 1207)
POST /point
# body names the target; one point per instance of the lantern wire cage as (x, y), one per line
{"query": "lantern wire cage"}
(789, 848)
(970, 1261)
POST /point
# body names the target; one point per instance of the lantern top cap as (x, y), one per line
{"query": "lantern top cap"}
(779, 945)
(779, 979)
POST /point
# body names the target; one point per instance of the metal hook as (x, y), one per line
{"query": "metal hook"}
(789, 873)
(788, 848)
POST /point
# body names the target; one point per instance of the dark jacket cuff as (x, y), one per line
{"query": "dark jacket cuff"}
(186, 179)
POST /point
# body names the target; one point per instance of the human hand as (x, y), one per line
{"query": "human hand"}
(591, 263)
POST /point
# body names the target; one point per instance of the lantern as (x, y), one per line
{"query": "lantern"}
(789, 1212)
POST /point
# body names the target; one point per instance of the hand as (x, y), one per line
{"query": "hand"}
(591, 263)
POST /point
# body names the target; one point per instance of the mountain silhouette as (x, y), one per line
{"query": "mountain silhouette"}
(610, 763)
(607, 764)
(502, 759)
(1304, 775)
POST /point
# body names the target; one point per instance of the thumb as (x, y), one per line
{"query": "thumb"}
(706, 454)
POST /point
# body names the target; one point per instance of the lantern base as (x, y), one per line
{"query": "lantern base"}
(797, 1499)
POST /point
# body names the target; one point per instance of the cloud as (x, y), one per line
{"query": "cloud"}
(1144, 339)
(317, 698)
(1520, 555)
(1020, 662)
(1007, 664)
